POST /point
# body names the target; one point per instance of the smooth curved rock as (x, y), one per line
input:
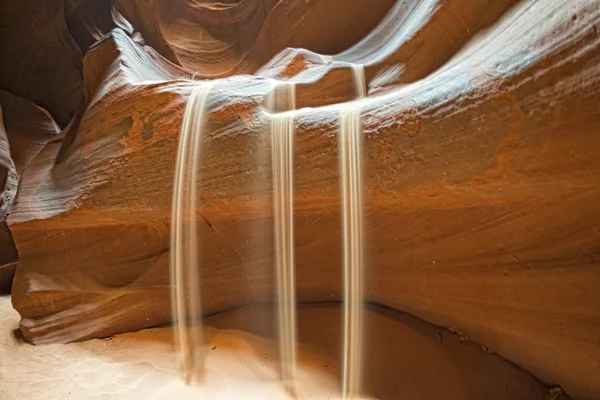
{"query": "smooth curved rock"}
(417, 37)
(9, 179)
(28, 129)
(24, 130)
(89, 20)
(34, 37)
(8, 185)
(44, 41)
(481, 178)
(216, 39)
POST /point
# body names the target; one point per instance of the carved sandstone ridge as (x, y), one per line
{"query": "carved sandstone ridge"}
(44, 41)
(33, 41)
(217, 39)
(24, 131)
(482, 197)
(9, 180)
(41, 42)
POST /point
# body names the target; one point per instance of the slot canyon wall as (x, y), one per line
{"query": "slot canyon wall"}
(481, 138)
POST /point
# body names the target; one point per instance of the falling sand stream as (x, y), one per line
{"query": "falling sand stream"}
(184, 237)
(283, 98)
(185, 288)
(352, 242)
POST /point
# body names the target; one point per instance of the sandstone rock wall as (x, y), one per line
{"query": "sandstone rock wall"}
(481, 171)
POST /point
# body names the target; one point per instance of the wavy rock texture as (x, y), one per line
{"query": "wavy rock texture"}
(25, 129)
(481, 172)
(219, 39)
(9, 180)
(44, 41)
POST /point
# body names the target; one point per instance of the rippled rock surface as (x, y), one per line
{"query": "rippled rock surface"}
(481, 136)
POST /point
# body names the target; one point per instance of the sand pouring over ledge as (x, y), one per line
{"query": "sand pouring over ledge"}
(185, 266)
(283, 98)
(480, 135)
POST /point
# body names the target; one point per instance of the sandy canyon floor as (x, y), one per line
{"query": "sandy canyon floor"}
(405, 358)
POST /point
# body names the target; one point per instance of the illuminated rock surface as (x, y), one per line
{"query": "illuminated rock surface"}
(481, 132)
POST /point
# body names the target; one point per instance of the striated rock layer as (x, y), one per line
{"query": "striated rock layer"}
(481, 177)
(216, 39)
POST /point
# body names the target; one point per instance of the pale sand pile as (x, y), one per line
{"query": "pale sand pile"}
(142, 365)
(405, 358)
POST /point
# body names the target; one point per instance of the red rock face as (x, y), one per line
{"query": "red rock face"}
(481, 169)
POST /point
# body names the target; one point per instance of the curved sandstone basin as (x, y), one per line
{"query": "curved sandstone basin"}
(405, 358)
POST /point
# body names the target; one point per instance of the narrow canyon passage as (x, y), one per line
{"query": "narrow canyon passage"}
(300, 199)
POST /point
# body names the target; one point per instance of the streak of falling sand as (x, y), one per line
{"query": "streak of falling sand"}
(350, 144)
(283, 98)
(143, 365)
